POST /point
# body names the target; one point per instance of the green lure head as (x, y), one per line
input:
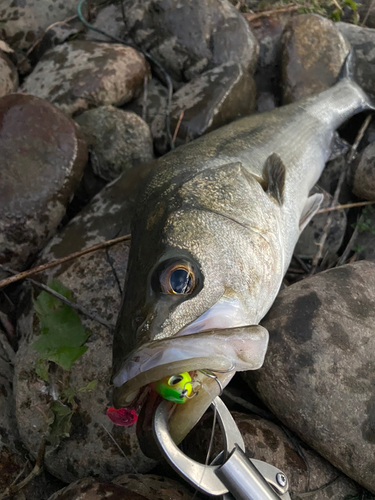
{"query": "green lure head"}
(176, 388)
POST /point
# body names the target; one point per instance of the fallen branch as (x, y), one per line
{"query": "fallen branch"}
(372, 4)
(266, 13)
(63, 299)
(347, 205)
(57, 262)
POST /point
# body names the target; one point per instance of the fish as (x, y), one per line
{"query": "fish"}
(212, 237)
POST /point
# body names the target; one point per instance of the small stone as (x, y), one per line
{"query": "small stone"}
(22, 23)
(362, 41)
(95, 281)
(330, 177)
(216, 98)
(306, 246)
(91, 489)
(190, 37)
(319, 372)
(118, 140)
(147, 485)
(79, 75)
(305, 470)
(42, 157)
(363, 173)
(313, 52)
(8, 75)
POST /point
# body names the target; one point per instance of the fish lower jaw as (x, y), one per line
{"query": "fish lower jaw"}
(220, 351)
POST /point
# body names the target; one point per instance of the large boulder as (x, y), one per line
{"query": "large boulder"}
(79, 75)
(42, 158)
(319, 372)
(313, 52)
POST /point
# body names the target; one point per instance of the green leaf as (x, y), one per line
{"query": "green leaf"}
(61, 425)
(89, 387)
(41, 368)
(62, 333)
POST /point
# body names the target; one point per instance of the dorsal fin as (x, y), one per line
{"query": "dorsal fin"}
(311, 206)
(275, 171)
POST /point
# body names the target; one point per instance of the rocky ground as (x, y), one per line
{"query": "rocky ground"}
(82, 117)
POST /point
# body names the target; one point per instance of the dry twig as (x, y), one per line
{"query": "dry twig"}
(180, 118)
(63, 299)
(57, 262)
(347, 205)
(266, 13)
(350, 244)
(372, 5)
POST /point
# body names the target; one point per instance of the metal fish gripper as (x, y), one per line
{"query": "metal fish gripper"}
(231, 475)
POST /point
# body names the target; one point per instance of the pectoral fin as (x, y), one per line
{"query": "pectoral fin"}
(309, 210)
(275, 172)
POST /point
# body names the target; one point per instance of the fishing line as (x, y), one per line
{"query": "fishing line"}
(208, 451)
(119, 447)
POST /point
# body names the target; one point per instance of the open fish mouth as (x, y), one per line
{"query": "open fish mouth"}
(222, 351)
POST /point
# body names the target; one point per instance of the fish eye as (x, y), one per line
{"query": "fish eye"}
(178, 279)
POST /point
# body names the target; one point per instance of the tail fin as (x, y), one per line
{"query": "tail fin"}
(348, 72)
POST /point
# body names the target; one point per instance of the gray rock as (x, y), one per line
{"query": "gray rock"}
(8, 75)
(319, 372)
(42, 157)
(147, 485)
(190, 37)
(363, 174)
(264, 440)
(152, 106)
(362, 41)
(95, 281)
(306, 246)
(365, 242)
(118, 140)
(109, 20)
(215, 98)
(79, 75)
(313, 52)
(92, 489)
(22, 23)
(10, 459)
(268, 31)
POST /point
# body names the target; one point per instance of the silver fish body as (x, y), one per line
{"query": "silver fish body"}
(228, 208)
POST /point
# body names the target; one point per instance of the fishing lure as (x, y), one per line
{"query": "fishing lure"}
(177, 388)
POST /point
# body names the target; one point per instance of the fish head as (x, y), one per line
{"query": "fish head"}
(197, 284)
